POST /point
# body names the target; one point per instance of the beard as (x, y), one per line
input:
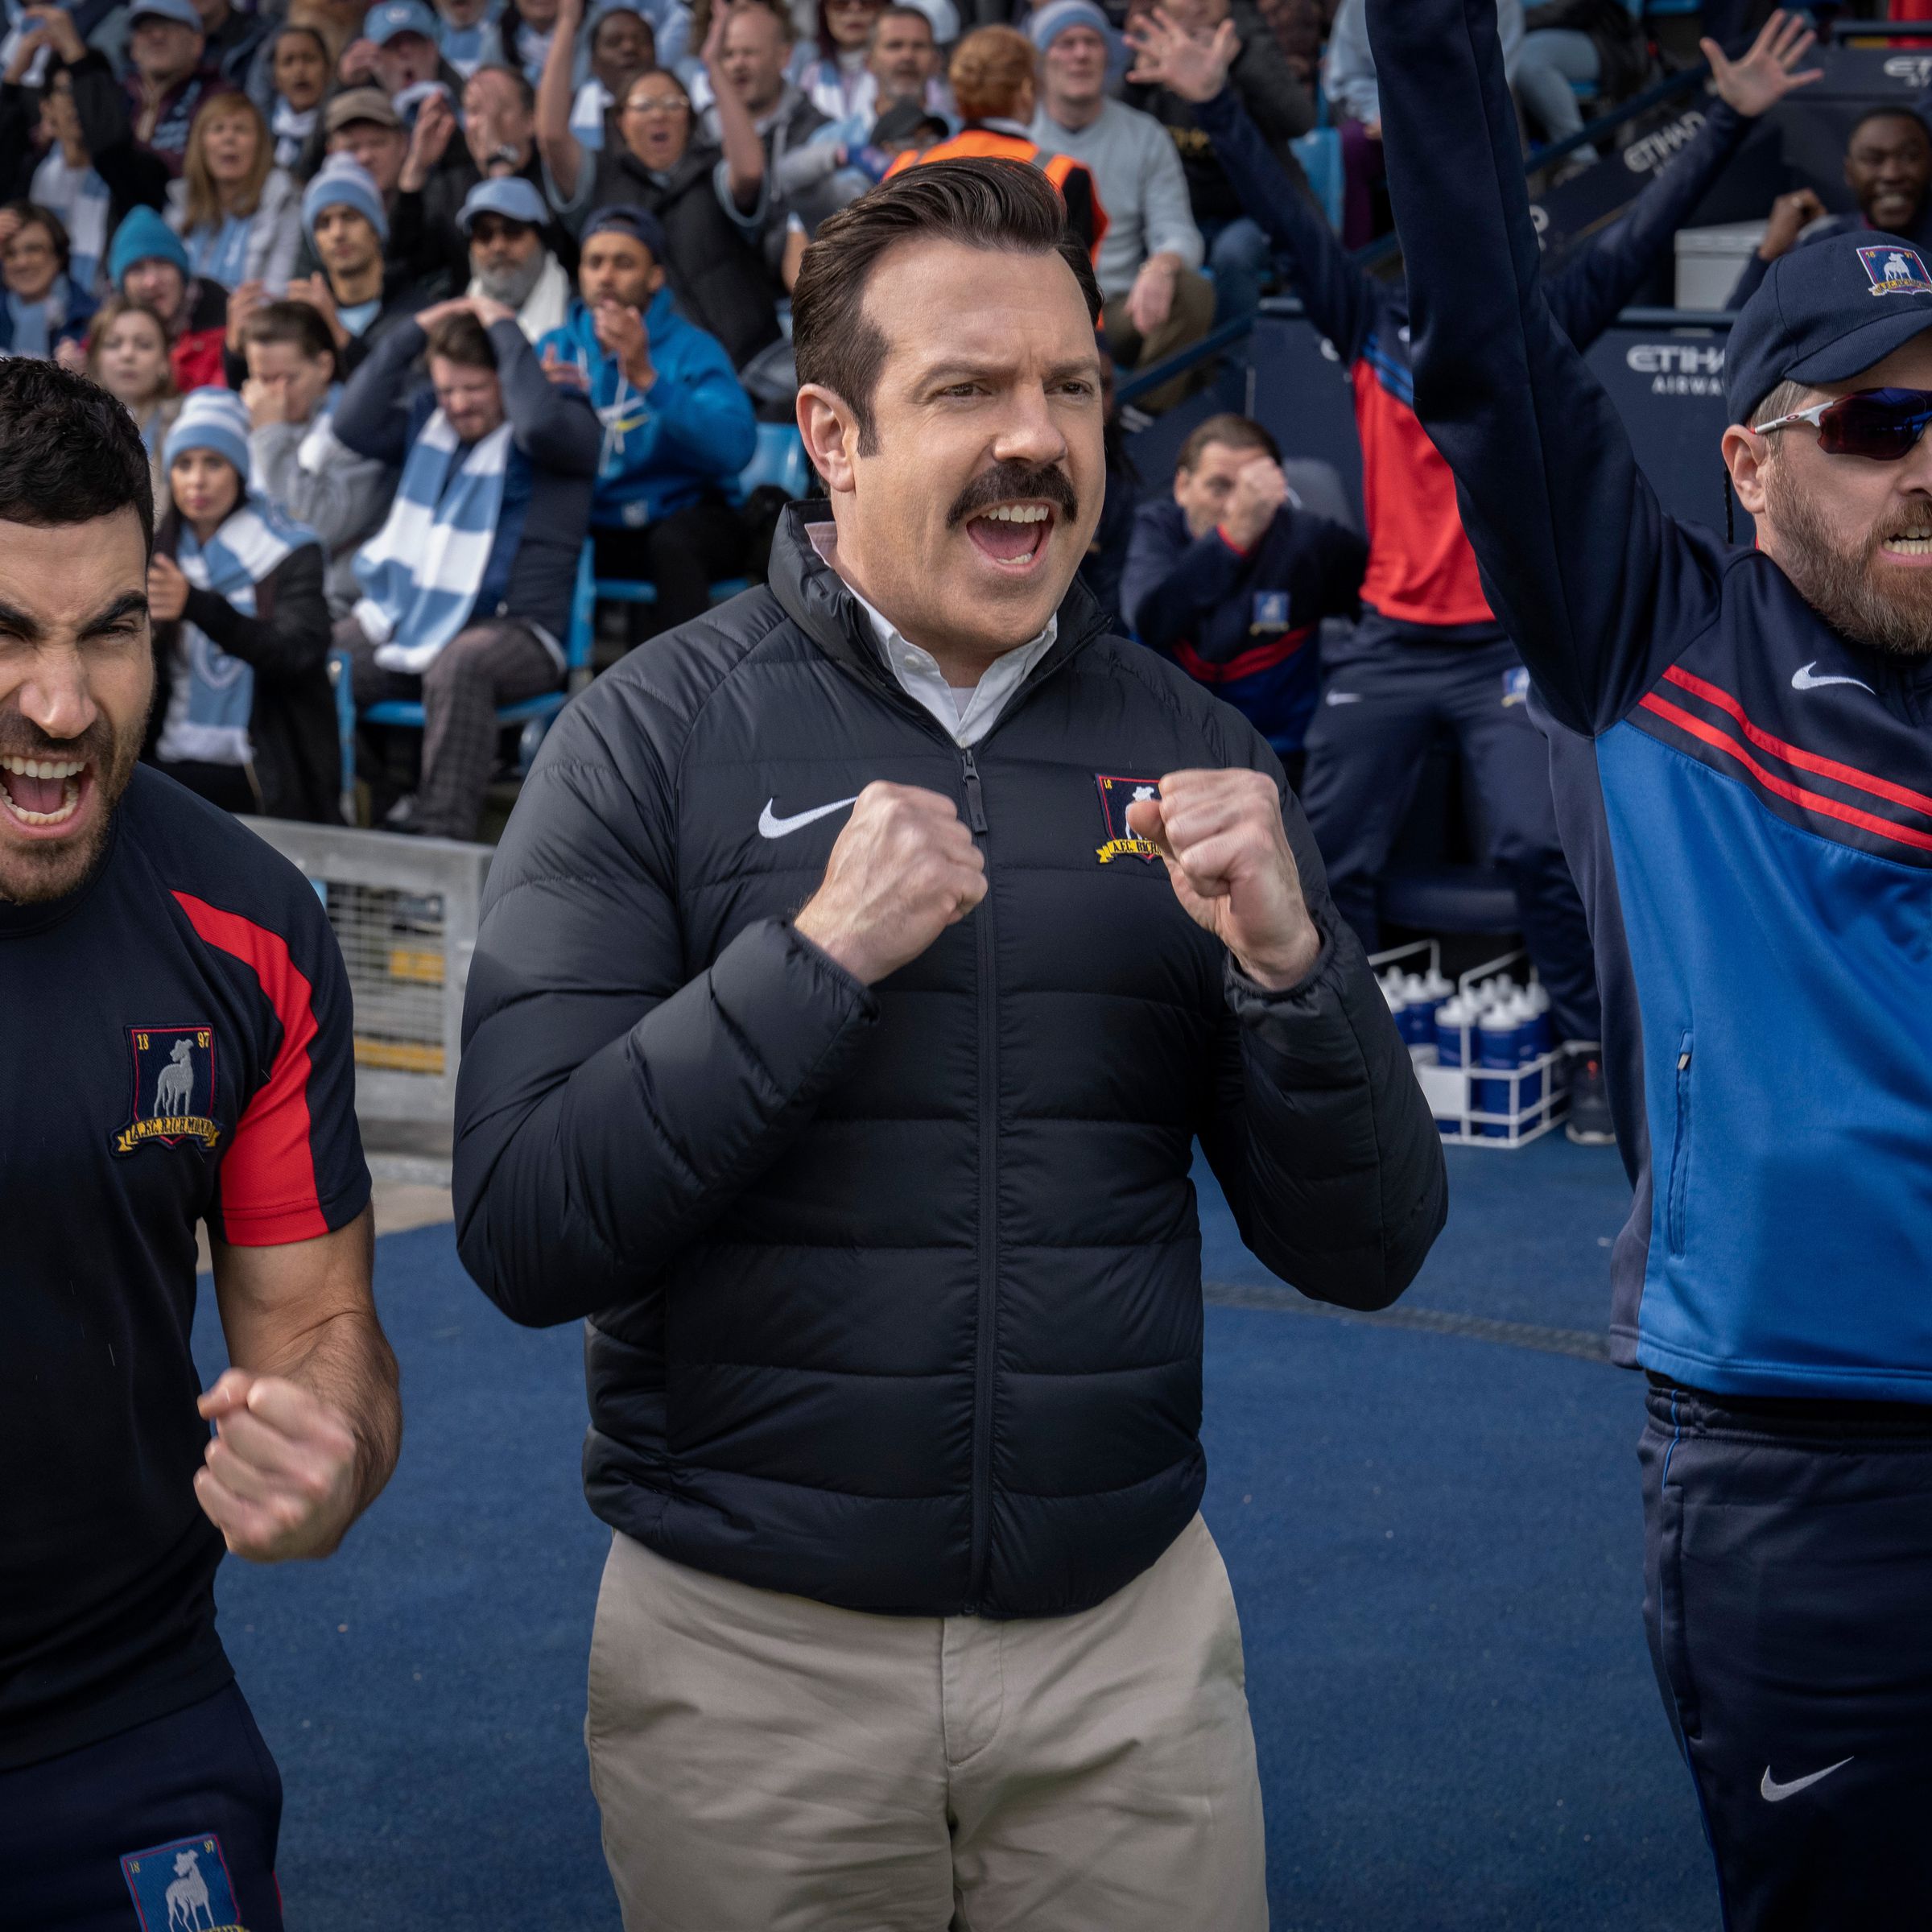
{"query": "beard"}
(1841, 582)
(51, 869)
(512, 286)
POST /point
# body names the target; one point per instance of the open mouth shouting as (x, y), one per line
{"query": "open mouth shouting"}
(1010, 512)
(1013, 535)
(44, 798)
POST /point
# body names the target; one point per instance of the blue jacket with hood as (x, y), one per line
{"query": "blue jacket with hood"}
(693, 432)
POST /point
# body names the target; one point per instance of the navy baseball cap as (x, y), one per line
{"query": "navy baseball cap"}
(510, 196)
(640, 223)
(1824, 313)
(382, 23)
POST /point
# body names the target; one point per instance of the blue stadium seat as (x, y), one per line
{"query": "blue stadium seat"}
(534, 714)
(779, 459)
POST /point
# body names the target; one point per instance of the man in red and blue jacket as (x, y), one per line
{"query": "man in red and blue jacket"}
(1429, 654)
(1231, 578)
(1739, 745)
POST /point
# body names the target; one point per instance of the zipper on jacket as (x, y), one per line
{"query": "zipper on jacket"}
(986, 1336)
(1680, 1155)
(975, 805)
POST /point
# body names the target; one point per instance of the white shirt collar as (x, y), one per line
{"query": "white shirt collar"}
(965, 719)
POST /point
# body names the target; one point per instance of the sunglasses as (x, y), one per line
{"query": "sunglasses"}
(1881, 424)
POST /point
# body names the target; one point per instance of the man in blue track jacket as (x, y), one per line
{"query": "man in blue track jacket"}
(1429, 654)
(1744, 776)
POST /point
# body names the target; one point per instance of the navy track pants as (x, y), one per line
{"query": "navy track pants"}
(1787, 1597)
(173, 1822)
(1383, 703)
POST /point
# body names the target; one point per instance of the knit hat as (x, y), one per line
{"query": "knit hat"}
(144, 237)
(212, 419)
(1048, 22)
(626, 218)
(342, 183)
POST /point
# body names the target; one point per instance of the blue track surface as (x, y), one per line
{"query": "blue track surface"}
(1434, 1541)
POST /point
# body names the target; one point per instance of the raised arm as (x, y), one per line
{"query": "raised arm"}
(1578, 559)
(562, 152)
(738, 136)
(1338, 297)
(1587, 294)
(554, 426)
(372, 414)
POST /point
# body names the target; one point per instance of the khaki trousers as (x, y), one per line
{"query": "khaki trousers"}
(768, 1764)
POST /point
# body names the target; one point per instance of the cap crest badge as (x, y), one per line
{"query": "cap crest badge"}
(1896, 270)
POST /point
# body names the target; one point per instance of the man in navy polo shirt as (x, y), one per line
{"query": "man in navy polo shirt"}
(1233, 579)
(179, 1051)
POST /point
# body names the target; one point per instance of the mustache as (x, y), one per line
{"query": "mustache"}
(21, 738)
(1012, 482)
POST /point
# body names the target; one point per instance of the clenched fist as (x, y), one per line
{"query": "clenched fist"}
(279, 1479)
(1227, 857)
(904, 868)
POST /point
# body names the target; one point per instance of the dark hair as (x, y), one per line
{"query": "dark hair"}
(1006, 206)
(69, 452)
(1232, 432)
(525, 92)
(462, 338)
(33, 215)
(1898, 111)
(295, 323)
(604, 20)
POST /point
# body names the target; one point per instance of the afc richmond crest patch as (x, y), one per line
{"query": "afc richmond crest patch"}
(1896, 270)
(173, 1088)
(1270, 612)
(1116, 795)
(184, 1887)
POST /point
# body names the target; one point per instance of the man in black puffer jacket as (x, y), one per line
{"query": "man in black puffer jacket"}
(865, 1151)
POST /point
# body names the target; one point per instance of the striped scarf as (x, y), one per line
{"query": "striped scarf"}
(79, 197)
(210, 695)
(422, 570)
(292, 129)
(219, 253)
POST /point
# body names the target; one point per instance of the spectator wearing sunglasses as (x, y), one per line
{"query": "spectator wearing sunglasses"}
(1738, 740)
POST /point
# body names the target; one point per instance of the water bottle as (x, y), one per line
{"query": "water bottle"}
(1416, 1021)
(1451, 1017)
(1529, 1089)
(1496, 1035)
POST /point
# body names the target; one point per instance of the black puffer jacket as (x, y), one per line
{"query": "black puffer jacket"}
(895, 1294)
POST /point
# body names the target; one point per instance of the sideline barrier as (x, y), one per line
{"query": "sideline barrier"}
(405, 913)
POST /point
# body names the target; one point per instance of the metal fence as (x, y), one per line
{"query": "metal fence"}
(404, 912)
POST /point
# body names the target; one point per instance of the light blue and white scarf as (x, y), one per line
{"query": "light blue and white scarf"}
(467, 48)
(219, 253)
(291, 128)
(16, 27)
(211, 694)
(420, 572)
(79, 197)
(32, 326)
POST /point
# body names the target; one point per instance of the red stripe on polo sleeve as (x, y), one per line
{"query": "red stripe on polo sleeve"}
(269, 1194)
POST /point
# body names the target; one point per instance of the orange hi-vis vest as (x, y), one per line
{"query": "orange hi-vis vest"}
(980, 143)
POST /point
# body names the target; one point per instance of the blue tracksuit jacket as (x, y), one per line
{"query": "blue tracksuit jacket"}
(1244, 623)
(1745, 796)
(694, 432)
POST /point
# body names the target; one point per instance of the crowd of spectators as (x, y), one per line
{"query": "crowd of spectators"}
(421, 298)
